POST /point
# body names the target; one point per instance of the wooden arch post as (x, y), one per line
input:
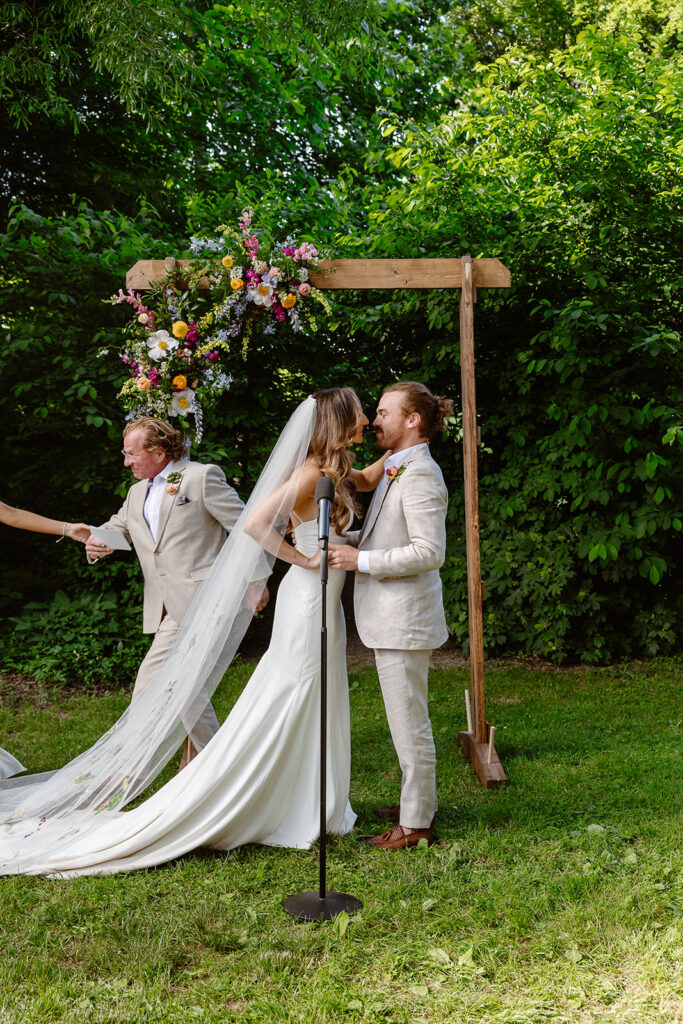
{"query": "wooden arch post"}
(468, 275)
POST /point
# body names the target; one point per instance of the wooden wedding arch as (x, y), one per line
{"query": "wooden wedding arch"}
(468, 275)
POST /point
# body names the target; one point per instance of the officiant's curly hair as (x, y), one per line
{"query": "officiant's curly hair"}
(159, 434)
(339, 415)
(433, 410)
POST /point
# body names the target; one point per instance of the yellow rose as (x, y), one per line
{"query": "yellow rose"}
(289, 301)
(180, 329)
(236, 283)
(143, 383)
(180, 382)
(227, 262)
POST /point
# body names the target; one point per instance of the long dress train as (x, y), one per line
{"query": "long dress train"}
(257, 781)
(9, 765)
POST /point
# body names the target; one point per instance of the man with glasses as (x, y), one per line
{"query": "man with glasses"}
(176, 518)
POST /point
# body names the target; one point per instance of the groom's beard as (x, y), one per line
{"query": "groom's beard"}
(381, 442)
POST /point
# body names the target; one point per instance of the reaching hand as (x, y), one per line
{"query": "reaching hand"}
(78, 531)
(343, 556)
(96, 549)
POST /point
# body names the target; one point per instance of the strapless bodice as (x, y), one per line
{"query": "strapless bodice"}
(306, 536)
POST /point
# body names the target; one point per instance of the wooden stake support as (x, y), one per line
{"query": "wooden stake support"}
(468, 275)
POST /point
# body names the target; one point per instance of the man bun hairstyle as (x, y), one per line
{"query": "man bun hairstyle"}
(433, 410)
(159, 434)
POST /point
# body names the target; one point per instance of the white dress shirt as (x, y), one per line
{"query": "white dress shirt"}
(395, 459)
(155, 492)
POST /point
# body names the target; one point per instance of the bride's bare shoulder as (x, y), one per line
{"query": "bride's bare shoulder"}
(310, 472)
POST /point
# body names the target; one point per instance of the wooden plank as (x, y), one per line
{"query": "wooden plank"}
(490, 775)
(145, 272)
(364, 274)
(417, 273)
(470, 434)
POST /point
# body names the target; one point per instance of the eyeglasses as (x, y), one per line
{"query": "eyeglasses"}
(132, 455)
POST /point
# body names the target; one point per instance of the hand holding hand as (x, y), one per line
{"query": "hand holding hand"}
(343, 556)
(314, 561)
(77, 531)
(95, 549)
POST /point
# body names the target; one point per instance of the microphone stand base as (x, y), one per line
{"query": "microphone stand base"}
(310, 906)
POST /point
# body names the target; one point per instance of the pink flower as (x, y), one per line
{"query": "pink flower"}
(304, 289)
(171, 488)
(392, 472)
(305, 251)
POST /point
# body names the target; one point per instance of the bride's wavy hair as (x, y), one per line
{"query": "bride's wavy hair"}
(338, 417)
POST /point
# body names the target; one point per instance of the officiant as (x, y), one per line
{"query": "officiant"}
(177, 517)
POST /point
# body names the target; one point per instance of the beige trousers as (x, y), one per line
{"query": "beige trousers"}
(403, 679)
(206, 725)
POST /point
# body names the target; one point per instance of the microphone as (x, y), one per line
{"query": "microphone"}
(324, 495)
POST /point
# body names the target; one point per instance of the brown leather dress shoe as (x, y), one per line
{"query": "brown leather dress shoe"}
(398, 839)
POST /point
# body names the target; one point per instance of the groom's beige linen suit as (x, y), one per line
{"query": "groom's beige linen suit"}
(191, 531)
(399, 612)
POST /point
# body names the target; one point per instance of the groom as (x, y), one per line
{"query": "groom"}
(397, 596)
(176, 517)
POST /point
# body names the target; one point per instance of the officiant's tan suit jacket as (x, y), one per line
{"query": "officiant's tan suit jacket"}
(399, 603)
(191, 532)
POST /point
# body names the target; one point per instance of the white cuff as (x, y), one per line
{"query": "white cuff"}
(363, 561)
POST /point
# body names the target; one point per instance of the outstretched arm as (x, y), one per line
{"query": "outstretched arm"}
(296, 493)
(24, 520)
(368, 478)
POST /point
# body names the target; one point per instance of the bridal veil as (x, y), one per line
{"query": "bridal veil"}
(46, 811)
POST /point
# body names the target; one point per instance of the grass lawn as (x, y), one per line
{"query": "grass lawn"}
(558, 898)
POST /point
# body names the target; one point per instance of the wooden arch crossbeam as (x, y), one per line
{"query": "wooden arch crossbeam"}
(467, 275)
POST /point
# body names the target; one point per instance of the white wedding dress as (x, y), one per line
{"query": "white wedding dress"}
(258, 779)
(9, 765)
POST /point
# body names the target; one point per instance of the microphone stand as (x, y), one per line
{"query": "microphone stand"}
(322, 905)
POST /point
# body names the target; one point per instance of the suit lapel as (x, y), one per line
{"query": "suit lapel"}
(167, 501)
(373, 512)
(138, 507)
(376, 506)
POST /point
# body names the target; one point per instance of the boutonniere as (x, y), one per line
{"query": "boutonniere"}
(394, 471)
(173, 482)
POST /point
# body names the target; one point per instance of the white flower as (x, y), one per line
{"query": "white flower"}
(237, 272)
(303, 274)
(182, 403)
(161, 344)
(143, 318)
(262, 295)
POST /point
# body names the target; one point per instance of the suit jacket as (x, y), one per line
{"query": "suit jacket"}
(399, 603)
(189, 537)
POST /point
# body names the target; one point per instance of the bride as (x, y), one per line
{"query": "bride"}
(257, 780)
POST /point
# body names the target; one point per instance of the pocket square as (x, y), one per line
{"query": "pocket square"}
(182, 500)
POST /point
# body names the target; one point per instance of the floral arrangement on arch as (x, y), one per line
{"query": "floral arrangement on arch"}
(188, 337)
